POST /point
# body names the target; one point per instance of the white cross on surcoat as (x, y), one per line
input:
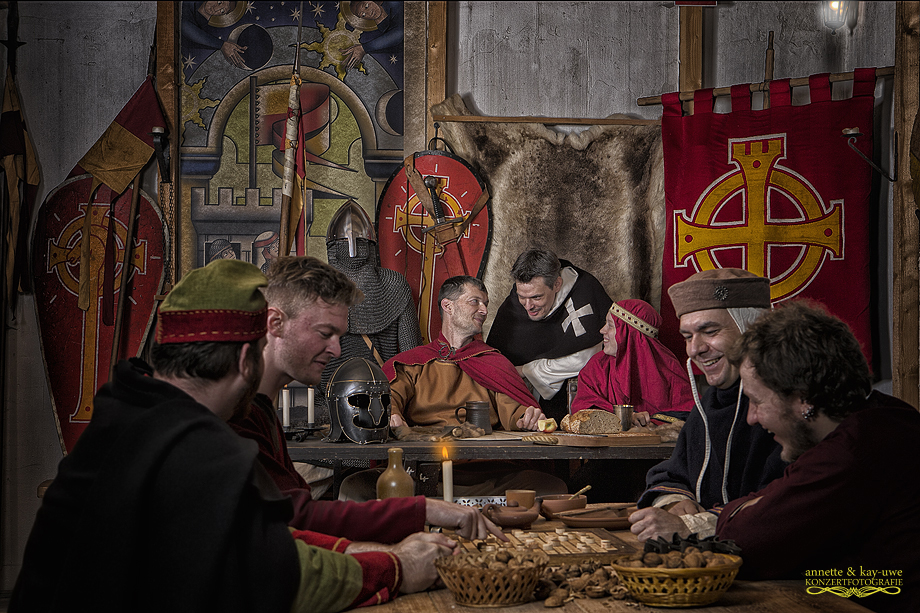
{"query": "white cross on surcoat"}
(574, 317)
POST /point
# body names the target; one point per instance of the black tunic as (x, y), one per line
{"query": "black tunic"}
(754, 460)
(159, 507)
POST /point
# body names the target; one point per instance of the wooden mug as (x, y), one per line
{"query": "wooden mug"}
(477, 413)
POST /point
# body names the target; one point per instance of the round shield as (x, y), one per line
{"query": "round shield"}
(412, 242)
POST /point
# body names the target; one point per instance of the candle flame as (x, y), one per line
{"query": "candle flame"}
(444, 452)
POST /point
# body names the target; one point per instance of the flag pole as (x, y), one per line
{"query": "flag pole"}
(290, 146)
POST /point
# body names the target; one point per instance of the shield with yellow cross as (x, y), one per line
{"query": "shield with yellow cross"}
(442, 230)
(77, 345)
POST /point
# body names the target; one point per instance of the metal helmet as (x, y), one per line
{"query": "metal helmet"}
(358, 397)
(350, 222)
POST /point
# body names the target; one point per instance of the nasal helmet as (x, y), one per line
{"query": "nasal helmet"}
(358, 396)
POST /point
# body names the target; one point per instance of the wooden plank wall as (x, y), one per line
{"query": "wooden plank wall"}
(906, 290)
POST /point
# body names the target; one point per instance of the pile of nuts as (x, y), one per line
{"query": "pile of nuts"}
(691, 557)
(501, 560)
(560, 584)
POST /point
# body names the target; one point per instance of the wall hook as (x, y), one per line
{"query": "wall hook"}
(853, 133)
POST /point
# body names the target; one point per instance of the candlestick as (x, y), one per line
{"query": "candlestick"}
(286, 407)
(310, 414)
(447, 477)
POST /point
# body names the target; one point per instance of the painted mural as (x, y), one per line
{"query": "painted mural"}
(237, 65)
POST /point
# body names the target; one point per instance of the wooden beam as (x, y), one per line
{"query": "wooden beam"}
(548, 121)
(690, 72)
(906, 231)
(436, 85)
(686, 96)
(168, 66)
(690, 50)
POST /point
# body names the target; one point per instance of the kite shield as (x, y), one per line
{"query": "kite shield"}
(441, 230)
(77, 344)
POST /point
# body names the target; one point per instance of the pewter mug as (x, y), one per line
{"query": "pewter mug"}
(477, 413)
(625, 413)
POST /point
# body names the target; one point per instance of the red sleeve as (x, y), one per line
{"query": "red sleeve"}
(381, 521)
(382, 574)
(324, 541)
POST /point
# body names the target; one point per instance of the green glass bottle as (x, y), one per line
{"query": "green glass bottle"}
(395, 482)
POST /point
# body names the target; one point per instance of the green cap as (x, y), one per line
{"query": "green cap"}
(220, 302)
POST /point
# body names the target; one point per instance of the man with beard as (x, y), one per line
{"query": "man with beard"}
(549, 324)
(718, 456)
(162, 507)
(428, 383)
(850, 499)
(308, 306)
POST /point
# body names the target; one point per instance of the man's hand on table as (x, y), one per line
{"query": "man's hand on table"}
(467, 522)
(396, 420)
(684, 507)
(530, 418)
(417, 553)
(650, 523)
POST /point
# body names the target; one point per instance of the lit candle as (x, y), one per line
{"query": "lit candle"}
(286, 407)
(447, 477)
(310, 414)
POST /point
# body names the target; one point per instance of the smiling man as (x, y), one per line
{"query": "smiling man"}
(428, 383)
(718, 456)
(549, 324)
(851, 497)
(308, 305)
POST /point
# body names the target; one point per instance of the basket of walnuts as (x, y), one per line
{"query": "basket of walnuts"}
(688, 578)
(494, 579)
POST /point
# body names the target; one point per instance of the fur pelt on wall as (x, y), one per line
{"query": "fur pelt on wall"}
(596, 198)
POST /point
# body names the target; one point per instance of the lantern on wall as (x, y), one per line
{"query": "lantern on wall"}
(838, 14)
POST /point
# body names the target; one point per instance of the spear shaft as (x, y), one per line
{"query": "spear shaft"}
(290, 145)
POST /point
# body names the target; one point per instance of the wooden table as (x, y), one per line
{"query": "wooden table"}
(742, 597)
(417, 453)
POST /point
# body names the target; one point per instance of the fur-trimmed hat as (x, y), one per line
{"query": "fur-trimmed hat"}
(220, 302)
(721, 288)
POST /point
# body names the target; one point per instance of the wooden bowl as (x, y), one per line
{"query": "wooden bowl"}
(556, 503)
(512, 517)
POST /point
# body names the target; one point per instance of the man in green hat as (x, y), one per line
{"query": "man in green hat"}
(161, 506)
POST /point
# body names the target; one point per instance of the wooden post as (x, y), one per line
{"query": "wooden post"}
(437, 61)
(905, 233)
(167, 81)
(690, 51)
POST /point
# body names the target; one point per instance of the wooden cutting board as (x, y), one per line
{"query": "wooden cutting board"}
(601, 440)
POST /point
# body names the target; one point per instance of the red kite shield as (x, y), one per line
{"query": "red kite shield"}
(429, 242)
(76, 345)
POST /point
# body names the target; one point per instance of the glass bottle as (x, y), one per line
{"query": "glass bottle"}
(395, 482)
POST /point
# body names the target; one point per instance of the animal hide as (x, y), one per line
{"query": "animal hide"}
(595, 198)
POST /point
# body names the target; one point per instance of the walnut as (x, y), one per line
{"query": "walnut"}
(652, 559)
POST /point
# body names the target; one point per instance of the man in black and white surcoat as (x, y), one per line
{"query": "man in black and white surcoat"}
(549, 325)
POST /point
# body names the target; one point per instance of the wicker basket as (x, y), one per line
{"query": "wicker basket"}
(473, 586)
(678, 587)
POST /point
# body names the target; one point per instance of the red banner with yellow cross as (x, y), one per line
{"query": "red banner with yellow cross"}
(778, 192)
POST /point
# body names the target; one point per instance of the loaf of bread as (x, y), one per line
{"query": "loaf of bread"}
(591, 421)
